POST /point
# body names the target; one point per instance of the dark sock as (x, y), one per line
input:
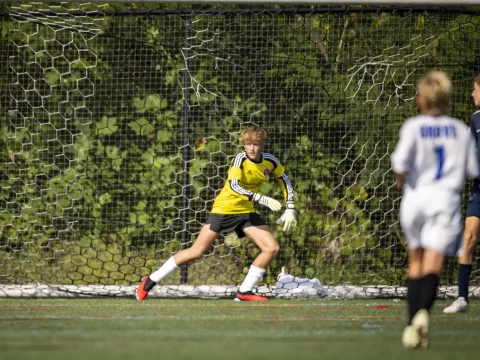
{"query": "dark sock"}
(464, 272)
(413, 297)
(428, 291)
(149, 284)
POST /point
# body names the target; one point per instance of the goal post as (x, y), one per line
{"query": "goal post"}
(119, 121)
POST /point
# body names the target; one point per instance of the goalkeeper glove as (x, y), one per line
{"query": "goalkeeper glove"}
(273, 204)
(289, 218)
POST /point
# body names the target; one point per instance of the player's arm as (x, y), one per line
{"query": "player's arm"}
(289, 217)
(400, 180)
(472, 158)
(282, 178)
(403, 154)
(234, 177)
(473, 129)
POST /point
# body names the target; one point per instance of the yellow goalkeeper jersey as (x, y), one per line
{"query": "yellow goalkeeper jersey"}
(244, 179)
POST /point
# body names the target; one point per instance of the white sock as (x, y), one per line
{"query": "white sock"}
(253, 277)
(165, 270)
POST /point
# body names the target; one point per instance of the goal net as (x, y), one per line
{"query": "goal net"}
(119, 122)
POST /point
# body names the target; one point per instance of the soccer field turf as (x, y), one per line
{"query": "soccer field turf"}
(105, 329)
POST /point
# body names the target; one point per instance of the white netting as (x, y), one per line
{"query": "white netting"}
(122, 119)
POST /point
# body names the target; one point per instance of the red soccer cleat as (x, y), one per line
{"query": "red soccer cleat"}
(145, 286)
(249, 296)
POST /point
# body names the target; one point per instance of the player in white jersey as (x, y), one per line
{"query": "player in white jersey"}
(433, 157)
(472, 220)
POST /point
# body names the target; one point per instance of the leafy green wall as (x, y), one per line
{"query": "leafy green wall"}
(117, 131)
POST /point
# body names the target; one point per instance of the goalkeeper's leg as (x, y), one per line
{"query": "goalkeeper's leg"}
(204, 240)
(269, 247)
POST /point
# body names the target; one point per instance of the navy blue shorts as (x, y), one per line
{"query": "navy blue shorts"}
(228, 223)
(473, 207)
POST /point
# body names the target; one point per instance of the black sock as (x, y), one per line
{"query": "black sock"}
(428, 291)
(149, 284)
(464, 272)
(413, 297)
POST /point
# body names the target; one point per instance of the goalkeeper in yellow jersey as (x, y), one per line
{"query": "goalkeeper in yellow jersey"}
(233, 210)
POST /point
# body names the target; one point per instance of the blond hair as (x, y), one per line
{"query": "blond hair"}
(436, 89)
(253, 134)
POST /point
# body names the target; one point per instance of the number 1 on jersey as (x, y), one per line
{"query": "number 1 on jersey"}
(440, 152)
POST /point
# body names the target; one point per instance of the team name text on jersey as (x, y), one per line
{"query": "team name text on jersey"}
(428, 131)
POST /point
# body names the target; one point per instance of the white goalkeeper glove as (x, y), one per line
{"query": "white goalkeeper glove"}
(289, 218)
(273, 204)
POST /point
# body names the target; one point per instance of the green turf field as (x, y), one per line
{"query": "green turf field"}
(105, 329)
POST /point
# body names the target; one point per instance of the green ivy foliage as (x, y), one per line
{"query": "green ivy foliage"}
(115, 140)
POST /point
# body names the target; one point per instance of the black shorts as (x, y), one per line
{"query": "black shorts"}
(236, 222)
(473, 207)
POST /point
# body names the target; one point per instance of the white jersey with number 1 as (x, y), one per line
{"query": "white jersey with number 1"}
(436, 154)
(435, 151)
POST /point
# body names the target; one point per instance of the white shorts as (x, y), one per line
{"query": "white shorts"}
(432, 220)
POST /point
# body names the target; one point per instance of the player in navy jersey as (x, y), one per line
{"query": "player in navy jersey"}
(472, 220)
(233, 210)
(433, 157)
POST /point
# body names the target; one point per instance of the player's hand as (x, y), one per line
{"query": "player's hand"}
(273, 204)
(288, 219)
